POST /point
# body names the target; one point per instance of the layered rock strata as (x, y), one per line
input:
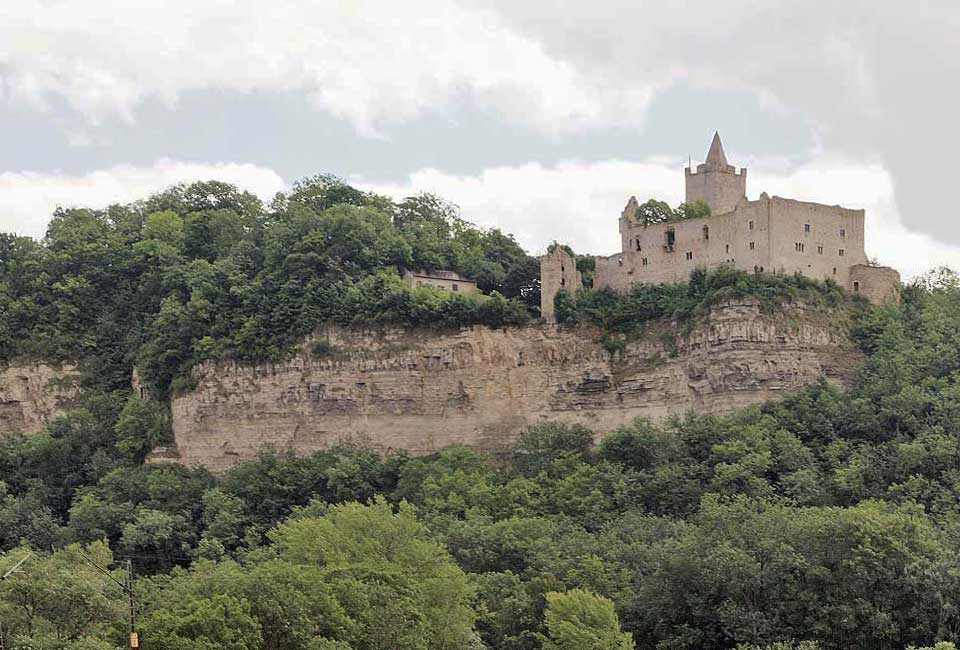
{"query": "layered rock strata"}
(423, 390)
(33, 394)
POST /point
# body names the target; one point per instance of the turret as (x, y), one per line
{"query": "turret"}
(716, 182)
(558, 272)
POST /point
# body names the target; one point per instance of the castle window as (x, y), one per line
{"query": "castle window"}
(671, 240)
(644, 261)
(563, 282)
(562, 268)
(620, 261)
(798, 247)
(455, 287)
(841, 252)
(820, 250)
(706, 232)
(638, 243)
(752, 245)
(834, 270)
(843, 232)
(751, 225)
(806, 227)
(856, 287)
(728, 248)
(689, 255)
(756, 269)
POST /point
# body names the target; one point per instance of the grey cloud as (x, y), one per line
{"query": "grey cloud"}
(880, 79)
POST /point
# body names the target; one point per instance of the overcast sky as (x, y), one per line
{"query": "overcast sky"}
(541, 118)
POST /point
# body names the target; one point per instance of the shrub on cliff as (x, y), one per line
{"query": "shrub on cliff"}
(627, 312)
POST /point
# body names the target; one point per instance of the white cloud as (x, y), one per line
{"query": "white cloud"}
(27, 199)
(572, 202)
(579, 202)
(366, 61)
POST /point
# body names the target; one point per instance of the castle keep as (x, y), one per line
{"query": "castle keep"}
(770, 234)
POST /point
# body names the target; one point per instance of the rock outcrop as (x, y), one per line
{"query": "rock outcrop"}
(422, 391)
(32, 394)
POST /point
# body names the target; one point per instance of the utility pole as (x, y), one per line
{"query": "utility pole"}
(14, 569)
(134, 639)
(127, 587)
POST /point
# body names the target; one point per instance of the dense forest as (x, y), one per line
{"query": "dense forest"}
(828, 520)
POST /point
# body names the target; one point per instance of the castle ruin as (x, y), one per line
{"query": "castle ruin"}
(770, 234)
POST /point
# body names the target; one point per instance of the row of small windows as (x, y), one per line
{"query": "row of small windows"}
(671, 238)
(799, 247)
(806, 228)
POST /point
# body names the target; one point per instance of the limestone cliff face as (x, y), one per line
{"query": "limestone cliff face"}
(422, 391)
(32, 394)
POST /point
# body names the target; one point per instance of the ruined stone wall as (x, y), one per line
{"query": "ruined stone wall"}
(878, 284)
(33, 394)
(740, 238)
(558, 272)
(422, 391)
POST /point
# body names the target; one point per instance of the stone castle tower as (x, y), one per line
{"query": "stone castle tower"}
(716, 182)
(769, 234)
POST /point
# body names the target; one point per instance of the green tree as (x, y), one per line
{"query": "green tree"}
(59, 600)
(654, 211)
(580, 620)
(542, 444)
(388, 562)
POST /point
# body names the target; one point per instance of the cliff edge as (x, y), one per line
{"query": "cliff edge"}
(32, 394)
(424, 390)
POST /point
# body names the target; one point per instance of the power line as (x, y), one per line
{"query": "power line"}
(127, 587)
(16, 566)
(13, 570)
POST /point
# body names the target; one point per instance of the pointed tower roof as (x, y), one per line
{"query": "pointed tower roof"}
(716, 159)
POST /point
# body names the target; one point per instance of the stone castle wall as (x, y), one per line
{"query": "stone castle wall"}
(33, 394)
(558, 272)
(771, 234)
(878, 284)
(422, 391)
